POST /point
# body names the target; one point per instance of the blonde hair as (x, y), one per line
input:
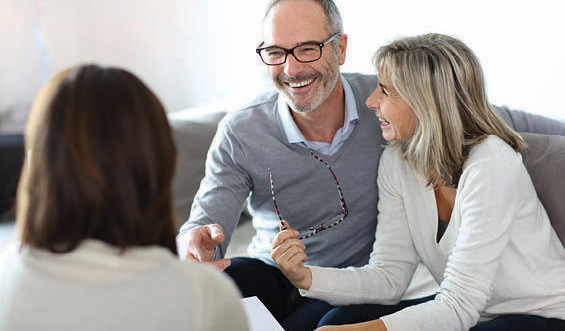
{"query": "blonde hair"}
(441, 79)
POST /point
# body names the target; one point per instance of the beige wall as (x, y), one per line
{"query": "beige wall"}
(201, 52)
(191, 52)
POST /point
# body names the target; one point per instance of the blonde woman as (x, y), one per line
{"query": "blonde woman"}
(453, 193)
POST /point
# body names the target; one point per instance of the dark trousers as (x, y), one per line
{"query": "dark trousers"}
(363, 313)
(367, 312)
(294, 312)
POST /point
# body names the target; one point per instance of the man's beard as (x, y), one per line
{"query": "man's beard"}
(325, 85)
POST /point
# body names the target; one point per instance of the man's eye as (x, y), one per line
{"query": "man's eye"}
(273, 52)
(307, 49)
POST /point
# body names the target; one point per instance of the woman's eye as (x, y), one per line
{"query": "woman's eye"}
(384, 91)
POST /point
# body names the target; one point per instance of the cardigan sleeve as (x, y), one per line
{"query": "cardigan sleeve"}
(488, 200)
(393, 260)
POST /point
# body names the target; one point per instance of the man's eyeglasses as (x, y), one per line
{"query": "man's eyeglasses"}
(326, 224)
(305, 52)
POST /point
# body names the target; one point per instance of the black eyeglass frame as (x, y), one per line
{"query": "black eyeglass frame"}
(334, 221)
(288, 51)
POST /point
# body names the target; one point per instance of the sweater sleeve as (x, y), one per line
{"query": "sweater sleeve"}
(488, 201)
(226, 182)
(393, 260)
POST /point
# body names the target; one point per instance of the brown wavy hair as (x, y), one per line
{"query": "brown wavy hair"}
(100, 162)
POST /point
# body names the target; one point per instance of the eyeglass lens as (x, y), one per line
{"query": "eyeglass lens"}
(302, 53)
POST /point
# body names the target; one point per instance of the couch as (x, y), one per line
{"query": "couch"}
(545, 161)
(193, 131)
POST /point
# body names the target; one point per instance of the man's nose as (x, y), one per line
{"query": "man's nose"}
(292, 66)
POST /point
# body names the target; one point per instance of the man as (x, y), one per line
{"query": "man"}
(316, 109)
(262, 153)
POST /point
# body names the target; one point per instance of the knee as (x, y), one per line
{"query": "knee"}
(334, 317)
(244, 268)
(356, 314)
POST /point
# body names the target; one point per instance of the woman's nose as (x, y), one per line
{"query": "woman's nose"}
(373, 101)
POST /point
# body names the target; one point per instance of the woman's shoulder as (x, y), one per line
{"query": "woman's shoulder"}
(393, 167)
(211, 281)
(217, 295)
(392, 155)
(493, 147)
(201, 273)
(492, 157)
(392, 158)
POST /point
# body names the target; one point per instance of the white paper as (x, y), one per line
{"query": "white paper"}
(258, 316)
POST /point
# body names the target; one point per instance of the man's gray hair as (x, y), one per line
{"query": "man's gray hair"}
(335, 23)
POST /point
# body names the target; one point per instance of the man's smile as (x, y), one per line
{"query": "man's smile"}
(300, 83)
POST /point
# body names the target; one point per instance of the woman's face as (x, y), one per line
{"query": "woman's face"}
(398, 120)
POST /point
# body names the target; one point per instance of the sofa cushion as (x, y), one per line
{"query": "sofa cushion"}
(545, 161)
(193, 130)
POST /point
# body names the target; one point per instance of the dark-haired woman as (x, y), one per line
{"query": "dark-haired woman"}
(95, 221)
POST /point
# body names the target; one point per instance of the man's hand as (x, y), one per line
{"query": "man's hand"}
(288, 252)
(200, 243)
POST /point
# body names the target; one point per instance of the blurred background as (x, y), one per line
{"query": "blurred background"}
(196, 53)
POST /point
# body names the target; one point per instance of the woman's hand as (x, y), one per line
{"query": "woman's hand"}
(288, 252)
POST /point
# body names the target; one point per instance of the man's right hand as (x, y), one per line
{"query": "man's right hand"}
(200, 243)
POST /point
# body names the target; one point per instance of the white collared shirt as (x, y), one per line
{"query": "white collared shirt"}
(294, 135)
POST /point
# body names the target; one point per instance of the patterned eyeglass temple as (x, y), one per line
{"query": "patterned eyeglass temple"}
(332, 222)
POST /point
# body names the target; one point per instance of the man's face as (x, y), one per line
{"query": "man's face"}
(306, 86)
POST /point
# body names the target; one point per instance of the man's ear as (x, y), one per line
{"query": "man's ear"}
(341, 48)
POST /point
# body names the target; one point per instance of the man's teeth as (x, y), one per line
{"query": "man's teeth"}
(300, 84)
(384, 121)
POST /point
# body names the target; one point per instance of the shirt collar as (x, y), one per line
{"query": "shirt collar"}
(292, 132)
